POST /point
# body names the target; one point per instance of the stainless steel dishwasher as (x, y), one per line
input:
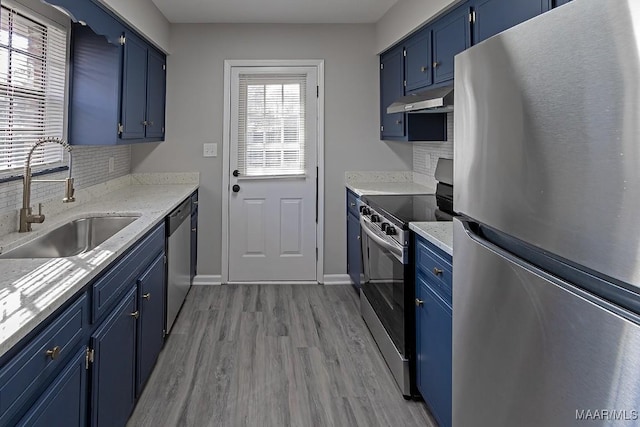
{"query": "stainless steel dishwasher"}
(179, 254)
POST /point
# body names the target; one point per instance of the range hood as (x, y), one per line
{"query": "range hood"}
(438, 100)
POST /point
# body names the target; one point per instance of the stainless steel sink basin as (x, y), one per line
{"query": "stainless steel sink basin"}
(72, 238)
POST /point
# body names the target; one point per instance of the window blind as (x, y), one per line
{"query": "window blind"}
(271, 120)
(32, 88)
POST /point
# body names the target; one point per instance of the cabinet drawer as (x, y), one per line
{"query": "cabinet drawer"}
(28, 371)
(436, 269)
(122, 274)
(352, 203)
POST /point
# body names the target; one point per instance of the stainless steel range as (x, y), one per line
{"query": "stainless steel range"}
(388, 263)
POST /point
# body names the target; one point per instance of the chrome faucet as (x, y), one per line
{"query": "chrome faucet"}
(26, 217)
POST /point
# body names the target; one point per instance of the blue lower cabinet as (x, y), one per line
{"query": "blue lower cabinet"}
(434, 316)
(114, 364)
(434, 352)
(64, 403)
(354, 255)
(151, 323)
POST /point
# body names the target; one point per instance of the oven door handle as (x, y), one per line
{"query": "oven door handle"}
(396, 250)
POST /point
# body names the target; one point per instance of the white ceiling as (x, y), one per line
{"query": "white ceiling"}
(274, 11)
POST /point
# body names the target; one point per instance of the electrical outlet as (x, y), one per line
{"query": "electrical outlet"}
(210, 149)
(111, 164)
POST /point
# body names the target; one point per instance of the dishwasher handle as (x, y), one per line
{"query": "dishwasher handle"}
(179, 215)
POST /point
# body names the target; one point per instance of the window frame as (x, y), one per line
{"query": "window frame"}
(50, 17)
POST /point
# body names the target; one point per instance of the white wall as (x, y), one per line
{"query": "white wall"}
(406, 16)
(195, 110)
(145, 17)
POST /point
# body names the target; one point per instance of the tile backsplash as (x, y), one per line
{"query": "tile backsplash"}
(426, 154)
(90, 167)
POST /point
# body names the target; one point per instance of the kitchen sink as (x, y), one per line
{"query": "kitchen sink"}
(73, 238)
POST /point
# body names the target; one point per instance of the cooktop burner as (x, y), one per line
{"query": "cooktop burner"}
(402, 209)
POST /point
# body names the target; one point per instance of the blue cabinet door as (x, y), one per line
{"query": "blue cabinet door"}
(354, 251)
(156, 85)
(434, 351)
(451, 35)
(151, 294)
(134, 88)
(391, 88)
(114, 366)
(557, 3)
(194, 245)
(417, 61)
(64, 403)
(495, 16)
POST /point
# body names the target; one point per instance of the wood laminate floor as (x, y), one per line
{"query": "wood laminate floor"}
(273, 355)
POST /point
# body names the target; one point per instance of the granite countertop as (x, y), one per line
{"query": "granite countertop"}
(438, 233)
(372, 182)
(32, 289)
(371, 188)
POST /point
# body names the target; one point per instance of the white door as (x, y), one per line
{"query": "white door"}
(273, 158)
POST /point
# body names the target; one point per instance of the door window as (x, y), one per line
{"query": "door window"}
(271, 125)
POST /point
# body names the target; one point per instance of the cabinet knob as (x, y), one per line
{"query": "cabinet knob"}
(135, 314)
(144, 123)
(398, 122)
(419, 302)
(358, 237)
(436, 64)
(54, 352)
(353, 205)
(437, 271)
(424, 69)
(194, 229)
(147, 295)
(150, 123)
(195, 202)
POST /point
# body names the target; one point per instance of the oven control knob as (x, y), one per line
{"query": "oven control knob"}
(384, 226)
(375, 218)
(391, 230)
(365, 211)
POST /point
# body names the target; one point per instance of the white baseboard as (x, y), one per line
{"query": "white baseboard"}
(207, 280)
(337, 279)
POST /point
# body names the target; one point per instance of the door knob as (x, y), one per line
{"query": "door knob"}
(437, 271)
(235, 188)
(147, 295)
(419, 302)
(135, 314)
(236, 173)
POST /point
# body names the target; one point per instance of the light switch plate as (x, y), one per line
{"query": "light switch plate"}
(210, 149)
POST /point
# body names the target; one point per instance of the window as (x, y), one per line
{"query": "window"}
(32, 88)
(271, 134)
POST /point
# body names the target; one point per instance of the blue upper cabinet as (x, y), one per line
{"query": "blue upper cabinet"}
(156, 84)
(403, 126)
(494, 16)
(134, 88)
(417, 63)
(451, 35)
(391, 88)
(117, 83)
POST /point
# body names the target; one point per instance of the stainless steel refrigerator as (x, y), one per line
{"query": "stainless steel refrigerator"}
(546, 267)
